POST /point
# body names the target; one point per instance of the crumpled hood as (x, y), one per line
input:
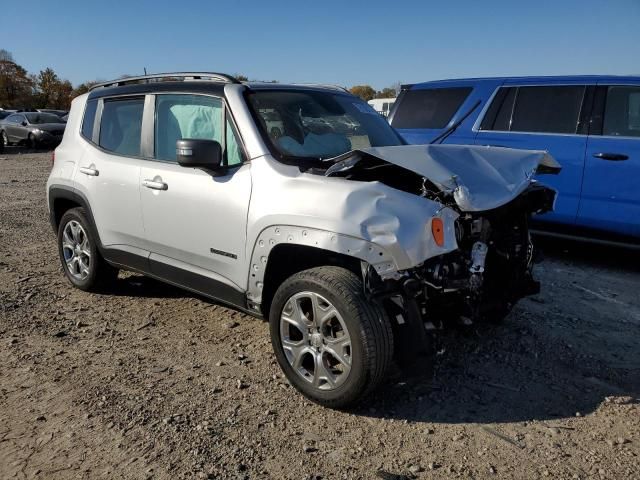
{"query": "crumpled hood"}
(480, 178)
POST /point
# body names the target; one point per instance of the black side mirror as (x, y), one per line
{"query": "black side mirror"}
(24, 123)
(199, 153)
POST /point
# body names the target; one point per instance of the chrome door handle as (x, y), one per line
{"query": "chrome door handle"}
(152, 184)
(89, 171)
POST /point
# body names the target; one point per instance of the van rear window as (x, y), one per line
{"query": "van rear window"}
(429, 108)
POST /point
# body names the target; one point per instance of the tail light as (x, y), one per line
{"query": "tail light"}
(437, 230)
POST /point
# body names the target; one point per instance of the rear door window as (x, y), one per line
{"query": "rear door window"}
(544, 109)
(121, 125)
(622, 112)
(547, 109)
(429, 108)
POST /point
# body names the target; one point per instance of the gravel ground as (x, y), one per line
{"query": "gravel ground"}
(153, 382)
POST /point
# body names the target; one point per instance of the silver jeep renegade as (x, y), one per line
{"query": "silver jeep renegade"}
(299, 204)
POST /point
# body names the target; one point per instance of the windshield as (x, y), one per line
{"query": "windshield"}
(40, 118)
(319, 125)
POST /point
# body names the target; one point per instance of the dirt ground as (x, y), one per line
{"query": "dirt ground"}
(153, 382)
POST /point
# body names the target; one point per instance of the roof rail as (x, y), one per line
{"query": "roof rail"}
(323, 85)
(159, 77)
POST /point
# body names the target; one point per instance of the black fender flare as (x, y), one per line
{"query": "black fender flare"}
(57, 192)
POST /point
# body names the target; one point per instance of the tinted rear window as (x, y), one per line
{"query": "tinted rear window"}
(121, 126)
(622, 113)
(432, 108)
(547, 109)
(89, 119)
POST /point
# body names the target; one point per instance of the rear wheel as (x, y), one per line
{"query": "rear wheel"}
(81, 261)
(333, 344)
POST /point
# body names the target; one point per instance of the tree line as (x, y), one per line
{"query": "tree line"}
(45, 89)
(367, 92)
(20, 89)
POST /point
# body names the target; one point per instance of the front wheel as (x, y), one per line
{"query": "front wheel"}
(332, 343)
(32, 142)
(4, 139)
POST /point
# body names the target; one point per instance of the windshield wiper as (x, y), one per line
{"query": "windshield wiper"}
(443, 136)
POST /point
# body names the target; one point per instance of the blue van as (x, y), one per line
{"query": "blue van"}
(590, 124)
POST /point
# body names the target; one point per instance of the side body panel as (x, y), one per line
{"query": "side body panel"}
(199, 221)
(610, 194)
(114, 195)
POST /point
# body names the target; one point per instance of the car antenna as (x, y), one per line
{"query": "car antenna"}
(443, 136)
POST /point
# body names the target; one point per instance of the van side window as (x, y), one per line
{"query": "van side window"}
(545, 109)
(89, 119)
(186, 116)
(121, 125)
(429, 108)
(622, 112)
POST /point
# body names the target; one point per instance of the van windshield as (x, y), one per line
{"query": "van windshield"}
(307, 124)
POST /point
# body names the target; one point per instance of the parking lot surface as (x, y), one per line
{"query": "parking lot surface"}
(149, 381)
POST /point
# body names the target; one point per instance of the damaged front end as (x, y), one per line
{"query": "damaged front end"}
(494, 194)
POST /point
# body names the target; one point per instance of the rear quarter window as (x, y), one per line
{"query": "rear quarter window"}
(89, 118)
(429, 108)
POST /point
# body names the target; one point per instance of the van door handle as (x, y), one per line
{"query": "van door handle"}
(89, 171)
(616, 157)
(152, 184)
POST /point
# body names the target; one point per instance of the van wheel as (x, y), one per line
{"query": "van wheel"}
(79, 255)
(333, 344)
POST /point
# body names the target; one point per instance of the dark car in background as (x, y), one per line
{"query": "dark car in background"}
(589, 124)
(5, 113)
(59, 113)
(35, 129)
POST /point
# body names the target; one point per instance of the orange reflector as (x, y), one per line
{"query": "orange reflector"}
(437, 229)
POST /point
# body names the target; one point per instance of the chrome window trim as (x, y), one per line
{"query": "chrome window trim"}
(476, 126)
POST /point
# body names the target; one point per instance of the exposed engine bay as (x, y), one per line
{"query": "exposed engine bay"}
(492, 267)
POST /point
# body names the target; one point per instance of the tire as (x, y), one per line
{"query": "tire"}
(89, 272)
(32, 142)
(354, 329)
(4, 140)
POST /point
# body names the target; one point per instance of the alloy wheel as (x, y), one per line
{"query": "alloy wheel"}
(315, 340)
(76, 250)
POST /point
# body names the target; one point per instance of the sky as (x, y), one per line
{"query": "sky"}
(324, 41)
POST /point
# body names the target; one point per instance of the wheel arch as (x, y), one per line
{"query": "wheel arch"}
(62, 199)
(283, 250)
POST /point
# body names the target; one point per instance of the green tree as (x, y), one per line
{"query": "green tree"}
(83, 88)
(388, 92)
(47, 83)
(365, 92)
(16, 87)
